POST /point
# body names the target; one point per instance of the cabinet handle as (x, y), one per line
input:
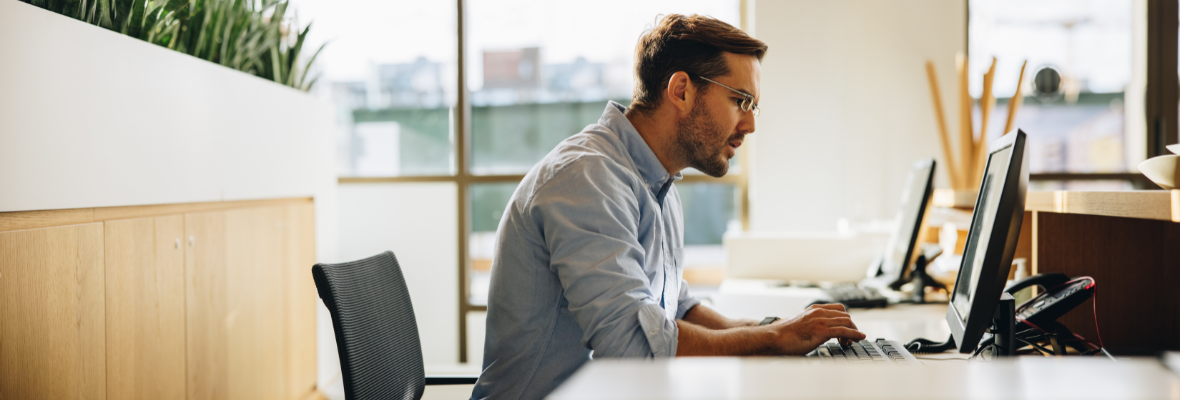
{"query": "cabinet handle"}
(178, 243)
(190, 241)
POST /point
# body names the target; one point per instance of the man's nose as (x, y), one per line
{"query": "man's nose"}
(746, 123)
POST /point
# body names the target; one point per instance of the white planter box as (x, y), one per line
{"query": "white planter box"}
(92, 118)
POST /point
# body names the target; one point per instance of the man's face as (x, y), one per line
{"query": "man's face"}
(716, 126)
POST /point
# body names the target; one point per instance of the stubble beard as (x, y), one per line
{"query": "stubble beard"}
(697, 142)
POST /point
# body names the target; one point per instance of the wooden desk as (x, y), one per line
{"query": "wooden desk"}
(791, 378)
(1129, 242)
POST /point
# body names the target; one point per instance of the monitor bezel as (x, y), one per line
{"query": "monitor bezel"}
(924, 202)
(1001, 246)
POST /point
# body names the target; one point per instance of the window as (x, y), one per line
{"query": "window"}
(533, 73)
(1075, 106)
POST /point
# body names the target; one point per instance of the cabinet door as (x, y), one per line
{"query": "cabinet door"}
(145, 308)
(251, 303)
(255, 289)
(52, 322)
(205, 305)
(299, 256)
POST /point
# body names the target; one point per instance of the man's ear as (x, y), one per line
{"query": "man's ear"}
(681, 93)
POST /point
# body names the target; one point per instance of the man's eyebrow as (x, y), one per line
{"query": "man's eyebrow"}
(743, 90)
(746, 92)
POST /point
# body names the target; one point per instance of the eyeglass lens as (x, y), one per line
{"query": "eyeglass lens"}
(748, 104)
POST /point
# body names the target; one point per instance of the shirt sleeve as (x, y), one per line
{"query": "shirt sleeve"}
(687, 302)
(588, 215)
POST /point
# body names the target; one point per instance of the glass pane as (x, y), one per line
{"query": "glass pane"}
(540, 71)
(393, 96)
(488, 201)
(373, 219)
(1079, 66)
(709, 211)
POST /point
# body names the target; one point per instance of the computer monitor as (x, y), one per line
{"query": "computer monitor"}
(899, 250)
(991, 241)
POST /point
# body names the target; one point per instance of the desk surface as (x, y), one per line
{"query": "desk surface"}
(943, 376)
(789, 378)
(1161, 205)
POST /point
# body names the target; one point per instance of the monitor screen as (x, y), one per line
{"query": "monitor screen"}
(909, 214)
(981, 231)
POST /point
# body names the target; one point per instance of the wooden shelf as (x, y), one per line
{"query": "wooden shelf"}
(1160, 205)
(1143, 204)
(952, 198)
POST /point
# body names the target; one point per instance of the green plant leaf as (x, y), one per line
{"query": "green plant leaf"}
(135, 21)
(307, 66)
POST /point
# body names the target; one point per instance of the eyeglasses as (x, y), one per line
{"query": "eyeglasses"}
(747, 103)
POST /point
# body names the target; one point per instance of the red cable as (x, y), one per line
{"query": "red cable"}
(1099, 331)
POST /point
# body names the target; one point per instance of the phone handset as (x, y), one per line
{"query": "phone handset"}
(1045, 281)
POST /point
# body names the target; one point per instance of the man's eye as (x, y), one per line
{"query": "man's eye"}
(738, 101)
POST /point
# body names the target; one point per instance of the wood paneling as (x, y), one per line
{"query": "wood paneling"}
(113, 213)
(52, 342)
(205, 302)
(206, 305)
(1143, 204)
(298, 257)
(256, 328)
(1136, 264)
(21, 220)
(145, 308)
(15, 221)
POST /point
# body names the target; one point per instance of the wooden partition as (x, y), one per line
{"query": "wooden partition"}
(193, 301)
(1129, 242)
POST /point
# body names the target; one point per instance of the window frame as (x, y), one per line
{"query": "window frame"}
(463, 178)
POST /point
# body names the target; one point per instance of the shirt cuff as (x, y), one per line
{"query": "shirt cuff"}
(661, 332)
(685, 305)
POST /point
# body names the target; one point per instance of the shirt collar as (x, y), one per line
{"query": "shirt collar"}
(649, 166)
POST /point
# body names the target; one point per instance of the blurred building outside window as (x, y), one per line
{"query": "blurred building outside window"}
(1075, 108)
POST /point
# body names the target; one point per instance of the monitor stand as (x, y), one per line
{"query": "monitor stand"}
(1003, 341)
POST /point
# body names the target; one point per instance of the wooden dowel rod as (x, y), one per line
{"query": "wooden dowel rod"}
(966, 136)
(986, 103)
(1014, 102)
(953, 173)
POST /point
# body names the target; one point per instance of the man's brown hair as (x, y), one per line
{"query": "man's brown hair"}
(694, 44)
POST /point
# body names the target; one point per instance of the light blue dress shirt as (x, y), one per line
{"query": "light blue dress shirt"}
(589, 259)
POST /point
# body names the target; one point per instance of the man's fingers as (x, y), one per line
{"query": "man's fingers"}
(826, 313)
(840, 321)
(830, 306)
(841, 332)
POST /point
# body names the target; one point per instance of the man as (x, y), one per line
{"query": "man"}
(590, 251)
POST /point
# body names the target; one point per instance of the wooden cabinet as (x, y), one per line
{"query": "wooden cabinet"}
(158, 303)
(51, 313)
(205, 302)
(145, 313)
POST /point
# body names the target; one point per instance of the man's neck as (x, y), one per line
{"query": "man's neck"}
(658, 135)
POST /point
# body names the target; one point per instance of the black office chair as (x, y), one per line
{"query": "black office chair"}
(376, 333)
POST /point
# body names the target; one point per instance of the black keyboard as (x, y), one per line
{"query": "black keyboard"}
(878, 351)
(853, 296)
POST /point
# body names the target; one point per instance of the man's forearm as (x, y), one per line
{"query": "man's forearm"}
(708, 318)
(697, 340)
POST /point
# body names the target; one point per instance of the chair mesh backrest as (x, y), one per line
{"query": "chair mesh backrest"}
(376, 334)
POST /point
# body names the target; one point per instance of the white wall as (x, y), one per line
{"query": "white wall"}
(846, 107)
(417, 222)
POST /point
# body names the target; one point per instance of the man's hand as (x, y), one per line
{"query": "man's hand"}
(813, 327)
